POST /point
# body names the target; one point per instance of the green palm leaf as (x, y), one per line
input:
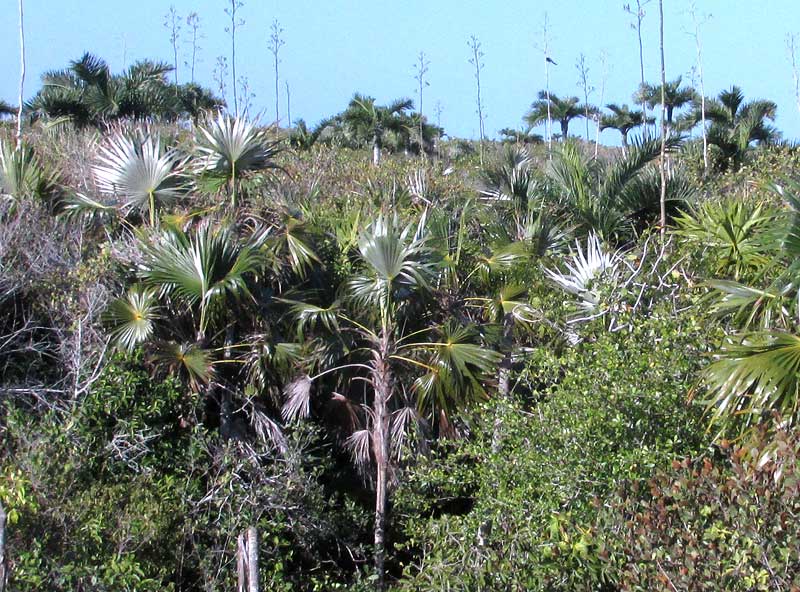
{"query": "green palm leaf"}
(458, 368)
(757, 375)
(202, 269)
(187, 359)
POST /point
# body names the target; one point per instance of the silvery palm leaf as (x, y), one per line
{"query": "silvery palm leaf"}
(755, 375)
(132, 317)
(585, 269)
(138, 171)
(229, 147)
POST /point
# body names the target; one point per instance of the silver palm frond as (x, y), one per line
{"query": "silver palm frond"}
(136, 169)
(585, 268)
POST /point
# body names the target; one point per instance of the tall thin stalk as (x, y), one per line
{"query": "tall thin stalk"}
(275, 44)
(475, 60)
(698, 44)
(288, 104)
(172, 24)
(639, 15)
(235, 23)
(604, 76)
(547, 61)
(421, 70)
(21, 73)
(193, 22)
(662, 162)
(583, 83)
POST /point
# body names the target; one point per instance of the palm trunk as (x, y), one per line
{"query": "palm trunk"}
(376, 149)
(503, 378)
(624, 142)
(382, 383)
(564, 129)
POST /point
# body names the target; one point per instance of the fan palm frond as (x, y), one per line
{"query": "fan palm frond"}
(230, 147)
(200, 269)
(138, 170)
(133, 317)
(758, 374)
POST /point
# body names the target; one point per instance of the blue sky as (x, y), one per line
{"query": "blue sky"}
(336, 47)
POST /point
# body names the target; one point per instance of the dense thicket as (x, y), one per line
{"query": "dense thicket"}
(416, 372)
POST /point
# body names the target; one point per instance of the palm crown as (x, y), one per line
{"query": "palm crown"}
(562, 110)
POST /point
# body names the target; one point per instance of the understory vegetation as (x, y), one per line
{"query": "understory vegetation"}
(400, 361)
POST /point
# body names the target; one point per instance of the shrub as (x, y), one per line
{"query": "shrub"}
(711, 524)
(512, 509)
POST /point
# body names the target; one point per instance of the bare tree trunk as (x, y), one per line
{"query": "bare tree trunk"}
(382, 382)
(241, 563)
(662, 163)
(247, 561)
(3, 562)
(21, 73)
(252, 559)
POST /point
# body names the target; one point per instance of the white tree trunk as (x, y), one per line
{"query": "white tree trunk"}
(376, 151)
(662, 163)
(247, 560)
(21, 73)
(252, 559)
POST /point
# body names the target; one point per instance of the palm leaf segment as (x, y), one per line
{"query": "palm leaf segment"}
(137, 169)
(457, 369)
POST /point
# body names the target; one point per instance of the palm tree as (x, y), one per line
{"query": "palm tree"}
(230, 148)
(370, 122)
(182, 309)
(605, 197)
(513, 136)
(23, 175)
(7, 110)
(623, 119)
(736, 125)
(194, 101)
(381, 307)
(87, 93)
(562, 110)
(675, 97)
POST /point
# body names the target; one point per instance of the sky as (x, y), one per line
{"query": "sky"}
(334, 48)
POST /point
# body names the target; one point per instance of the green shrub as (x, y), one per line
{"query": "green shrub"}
(513, 508)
